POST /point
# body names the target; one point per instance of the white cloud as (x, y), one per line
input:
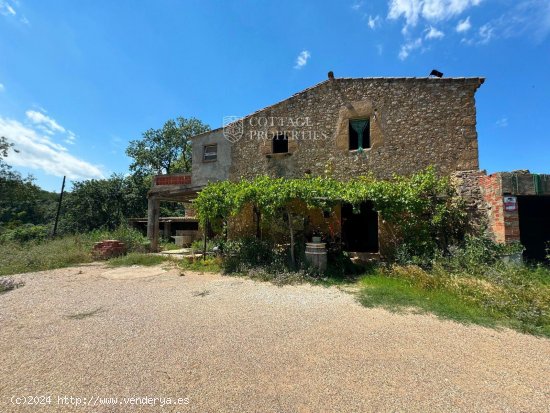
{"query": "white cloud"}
(6, 9)
(37, 151)
(464, 25)
(408, 47)
(527, 18)
(357, 5)
(2, 88)
(71, 138)
(431, 10)
(302, 59)
(502, 122)
(486, 33)
(44, 122)
(433, 33)
(373, 22)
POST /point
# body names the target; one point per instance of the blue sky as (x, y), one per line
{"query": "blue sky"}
(79, 79)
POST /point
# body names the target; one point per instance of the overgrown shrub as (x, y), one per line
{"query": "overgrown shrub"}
(244, 254)
(25, 233)
(474, 272)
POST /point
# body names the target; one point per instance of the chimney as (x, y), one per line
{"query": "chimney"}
(331, 75)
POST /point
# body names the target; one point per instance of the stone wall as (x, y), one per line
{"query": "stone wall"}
(414, 123)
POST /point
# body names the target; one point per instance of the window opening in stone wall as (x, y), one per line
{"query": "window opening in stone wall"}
(280, 143)
(359, 134)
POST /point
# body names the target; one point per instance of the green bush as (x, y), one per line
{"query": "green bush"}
(249, 252)
(25, 233)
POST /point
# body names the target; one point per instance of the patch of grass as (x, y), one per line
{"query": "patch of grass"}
(136, 258)
(169, 246)
(85, 314)
(493, 295)
(210, 264)
(47, 255)
(398, 295)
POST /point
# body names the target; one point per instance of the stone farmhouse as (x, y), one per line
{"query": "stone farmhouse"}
(354, 126)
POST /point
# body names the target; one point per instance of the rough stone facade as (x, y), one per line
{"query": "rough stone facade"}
(414, 123)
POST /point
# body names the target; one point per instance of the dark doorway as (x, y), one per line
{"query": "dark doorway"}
(534, 225)
(360, 231)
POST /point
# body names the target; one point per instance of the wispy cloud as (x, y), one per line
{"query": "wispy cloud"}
(486, 33)
(38, 151)
(302, 59)
(7, 9)
(502, 122)
(44, 122)
(412, 11)
(408, 47)
(357, 5)
(2, 88)
(433, 33)
(529, 18)
(70, 138)
(373, 22)
(464, 25)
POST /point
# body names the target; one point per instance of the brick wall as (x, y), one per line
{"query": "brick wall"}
(503, 225)
(179, 179)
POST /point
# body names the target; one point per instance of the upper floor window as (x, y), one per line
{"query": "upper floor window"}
(280, 143)
(210, 153)
(359, 134)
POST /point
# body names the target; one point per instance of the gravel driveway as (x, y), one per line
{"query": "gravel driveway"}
(223, 344)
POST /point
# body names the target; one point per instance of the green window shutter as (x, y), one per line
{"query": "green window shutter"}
(360, 126)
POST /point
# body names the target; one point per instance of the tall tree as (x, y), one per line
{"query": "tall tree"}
(21, 201)
(166, 150)
(104, 203)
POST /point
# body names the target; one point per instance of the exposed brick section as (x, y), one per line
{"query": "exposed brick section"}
(108, 249)
(503, 225)
(179, 179)
(492, 193)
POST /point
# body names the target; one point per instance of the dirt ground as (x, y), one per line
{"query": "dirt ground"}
(207, 343)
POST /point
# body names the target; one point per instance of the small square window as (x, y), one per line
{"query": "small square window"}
(210, 153)
(280, 143)
(359, 134)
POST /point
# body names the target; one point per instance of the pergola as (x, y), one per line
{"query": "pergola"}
(168, 188)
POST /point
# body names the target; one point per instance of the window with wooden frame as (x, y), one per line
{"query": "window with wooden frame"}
(280, 143)
(359, 134)
(210, 153)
